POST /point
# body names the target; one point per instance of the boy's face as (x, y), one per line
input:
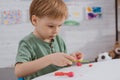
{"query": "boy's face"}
(47, 28)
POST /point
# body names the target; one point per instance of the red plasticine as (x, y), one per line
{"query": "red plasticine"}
(69, 74)
(78, 64)
(78, 57)
(90, 65)
(59, 74)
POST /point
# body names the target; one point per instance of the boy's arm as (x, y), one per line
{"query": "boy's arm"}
(27, 68)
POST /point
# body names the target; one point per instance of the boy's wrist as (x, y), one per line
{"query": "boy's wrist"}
(48, 59)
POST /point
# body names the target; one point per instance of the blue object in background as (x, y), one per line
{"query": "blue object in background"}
(20, 78)
(96, 9)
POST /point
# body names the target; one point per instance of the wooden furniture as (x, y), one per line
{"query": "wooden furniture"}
(118, 3)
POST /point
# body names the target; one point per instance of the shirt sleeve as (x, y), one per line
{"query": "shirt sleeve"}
(24, 52)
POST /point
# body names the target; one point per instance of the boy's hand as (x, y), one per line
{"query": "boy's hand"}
(77, 55)
(61, 59)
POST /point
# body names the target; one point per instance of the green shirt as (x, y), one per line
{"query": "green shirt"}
(31, 48)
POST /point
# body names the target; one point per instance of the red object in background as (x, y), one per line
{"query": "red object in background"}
(78, 64)
(69, 74)
(78, 57)
(90, 65)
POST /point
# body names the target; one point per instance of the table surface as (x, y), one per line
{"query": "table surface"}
(104, 70)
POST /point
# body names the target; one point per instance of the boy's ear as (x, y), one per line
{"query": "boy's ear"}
(34, 20)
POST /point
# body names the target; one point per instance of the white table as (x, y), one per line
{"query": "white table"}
(105, 70)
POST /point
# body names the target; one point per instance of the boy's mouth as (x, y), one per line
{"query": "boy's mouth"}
(51, 37)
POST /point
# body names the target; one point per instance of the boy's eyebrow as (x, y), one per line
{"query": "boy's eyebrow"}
(54, 24)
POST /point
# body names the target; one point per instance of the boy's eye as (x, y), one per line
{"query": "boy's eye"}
(53, 26)
(50, 26)
(60, 25)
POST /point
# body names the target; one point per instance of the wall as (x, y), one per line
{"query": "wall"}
(92, 37)
(10, 34)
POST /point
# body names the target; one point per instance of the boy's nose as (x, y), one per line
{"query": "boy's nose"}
(56, 30)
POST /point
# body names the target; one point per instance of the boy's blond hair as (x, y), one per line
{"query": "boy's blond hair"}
(55, 9)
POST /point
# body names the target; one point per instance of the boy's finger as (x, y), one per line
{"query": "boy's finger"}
(69, 62)
(69, 57)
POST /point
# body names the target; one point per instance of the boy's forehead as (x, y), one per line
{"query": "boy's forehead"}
(53, 21)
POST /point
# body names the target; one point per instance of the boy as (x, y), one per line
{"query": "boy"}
(43, 51)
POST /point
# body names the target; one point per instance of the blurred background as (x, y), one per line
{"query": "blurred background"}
(90, 28)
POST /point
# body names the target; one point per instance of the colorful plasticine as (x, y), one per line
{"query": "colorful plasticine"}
(80, 61)
(90, 65)
(78, 64)
(69, 74)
